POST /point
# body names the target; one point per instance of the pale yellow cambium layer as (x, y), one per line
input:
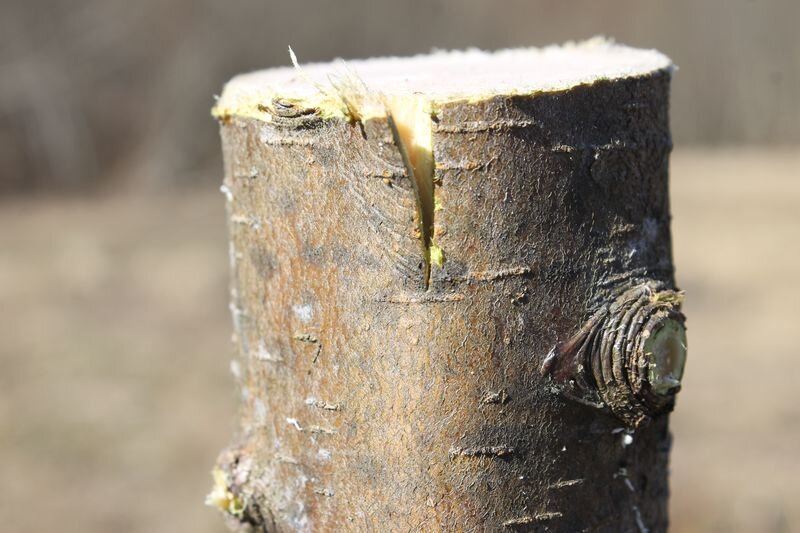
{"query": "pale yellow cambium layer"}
(221, 496)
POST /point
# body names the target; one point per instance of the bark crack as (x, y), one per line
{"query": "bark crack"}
(410, 119)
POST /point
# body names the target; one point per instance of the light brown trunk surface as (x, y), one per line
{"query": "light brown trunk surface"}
(502, 359)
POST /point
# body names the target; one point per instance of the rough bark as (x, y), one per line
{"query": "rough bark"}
(511, 391)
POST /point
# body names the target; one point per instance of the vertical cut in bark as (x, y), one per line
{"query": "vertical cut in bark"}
(410, 119)
(452, 292)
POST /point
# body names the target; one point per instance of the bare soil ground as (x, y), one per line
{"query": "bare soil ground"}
(114, 354)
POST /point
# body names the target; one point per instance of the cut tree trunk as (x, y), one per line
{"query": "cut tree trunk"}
(453, 294)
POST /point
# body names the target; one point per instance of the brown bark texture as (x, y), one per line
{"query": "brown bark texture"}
(514, 391)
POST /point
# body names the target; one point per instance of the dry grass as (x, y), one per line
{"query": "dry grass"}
(736, 222)
(114, 354)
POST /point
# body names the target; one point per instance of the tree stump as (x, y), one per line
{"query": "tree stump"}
(453, 295)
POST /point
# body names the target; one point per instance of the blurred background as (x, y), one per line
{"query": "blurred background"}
(115, 393)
